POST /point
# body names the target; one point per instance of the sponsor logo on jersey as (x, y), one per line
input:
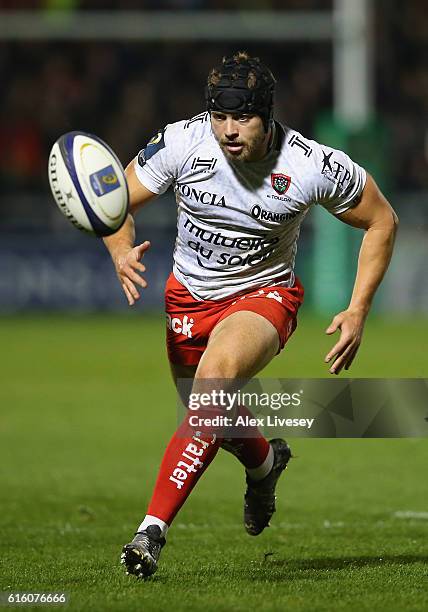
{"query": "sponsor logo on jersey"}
(333, 170)
(262, 245)
(273, 196)
(180, 326)
(155, 144)
(201, 118)
(103, 181)
(204, 197)
(257, 212)
(296, 141)
(204, 165)
(280, 182)
(244, 243)
(234, 260)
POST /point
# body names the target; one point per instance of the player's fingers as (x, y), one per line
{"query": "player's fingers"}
(136, 265)
(337, 349)
(142, 248)
(334, 325)
(129, 273)
(340, 360)
(129, 297)
(351, 359)
(131, 288)
(331, 328)
(126, 268)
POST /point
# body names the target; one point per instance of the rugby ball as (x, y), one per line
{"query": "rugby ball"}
(88, 183)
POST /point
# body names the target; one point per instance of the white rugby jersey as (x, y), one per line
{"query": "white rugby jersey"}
(238, 222)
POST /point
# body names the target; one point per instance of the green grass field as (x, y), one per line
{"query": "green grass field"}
(87, 408)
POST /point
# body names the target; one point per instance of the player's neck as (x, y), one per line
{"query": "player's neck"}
(270, 140)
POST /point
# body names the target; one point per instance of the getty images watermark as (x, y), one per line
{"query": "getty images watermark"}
(227, 405)
(320, 408)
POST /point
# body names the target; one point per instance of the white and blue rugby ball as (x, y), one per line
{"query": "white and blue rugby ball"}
(88, 183)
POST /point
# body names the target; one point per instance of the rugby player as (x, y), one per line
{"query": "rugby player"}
(243, 185)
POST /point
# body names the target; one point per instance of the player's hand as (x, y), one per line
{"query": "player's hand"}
(351, 325)
(129, 268)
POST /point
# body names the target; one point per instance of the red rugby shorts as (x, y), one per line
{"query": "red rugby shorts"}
(190, 322)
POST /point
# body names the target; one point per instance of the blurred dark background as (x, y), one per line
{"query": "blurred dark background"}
(123, 91)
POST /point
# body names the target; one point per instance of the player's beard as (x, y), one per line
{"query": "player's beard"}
(252, 150)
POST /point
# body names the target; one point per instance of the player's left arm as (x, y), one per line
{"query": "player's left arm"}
(376, 216)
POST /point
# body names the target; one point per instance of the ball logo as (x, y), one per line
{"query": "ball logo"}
(280, 182)
(110, 179)
(104, 181)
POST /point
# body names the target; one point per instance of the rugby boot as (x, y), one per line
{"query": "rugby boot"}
(141, 556)
(259, 500)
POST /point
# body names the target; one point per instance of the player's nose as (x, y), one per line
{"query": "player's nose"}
(231, 130)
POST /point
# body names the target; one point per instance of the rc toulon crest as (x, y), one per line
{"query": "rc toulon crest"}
(280, 182)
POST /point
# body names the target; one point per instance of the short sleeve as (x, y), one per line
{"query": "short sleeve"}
(338, 181)
(155, 165)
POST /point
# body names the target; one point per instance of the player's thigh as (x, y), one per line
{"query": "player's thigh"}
(239, 346)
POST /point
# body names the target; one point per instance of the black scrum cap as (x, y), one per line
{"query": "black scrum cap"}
(243, 85)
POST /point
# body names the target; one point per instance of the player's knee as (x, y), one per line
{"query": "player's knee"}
(215, 369)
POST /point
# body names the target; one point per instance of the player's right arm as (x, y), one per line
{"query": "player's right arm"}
(150, 174)
(127, 257)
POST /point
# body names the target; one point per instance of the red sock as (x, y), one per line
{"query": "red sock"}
(252, 449)
(186, 458)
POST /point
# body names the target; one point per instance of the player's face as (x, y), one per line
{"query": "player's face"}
(241, 137)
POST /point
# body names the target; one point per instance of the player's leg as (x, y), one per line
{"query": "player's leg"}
(189, 453)
(190, 450)
(182, 458)
(247, 353)
(239, 346)
(251, 449)
(183, 462)
(186, 457)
